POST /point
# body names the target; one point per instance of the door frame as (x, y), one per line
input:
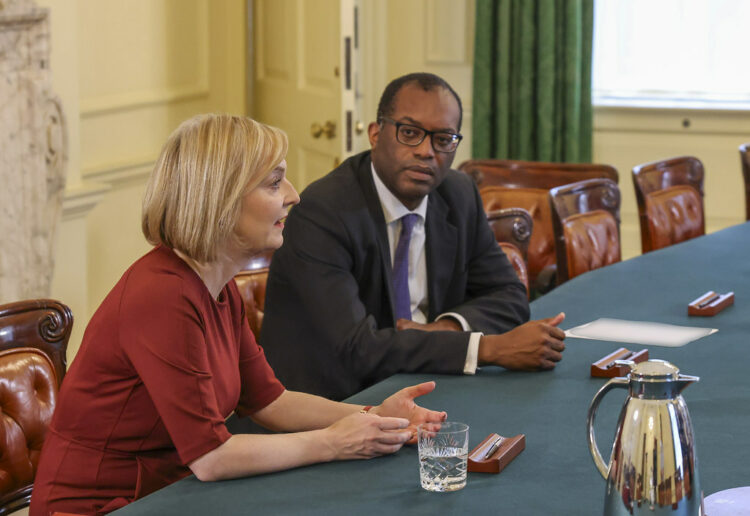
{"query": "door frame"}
(372, 19)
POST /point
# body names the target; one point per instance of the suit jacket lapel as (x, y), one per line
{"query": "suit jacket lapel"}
(364, 176)
(440, 246)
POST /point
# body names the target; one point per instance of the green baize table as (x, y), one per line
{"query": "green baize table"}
(555, 473)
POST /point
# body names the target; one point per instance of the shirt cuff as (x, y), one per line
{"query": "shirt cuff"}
(472, 354)
(458, 317)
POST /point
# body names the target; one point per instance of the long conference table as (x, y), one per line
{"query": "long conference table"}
(555, 474)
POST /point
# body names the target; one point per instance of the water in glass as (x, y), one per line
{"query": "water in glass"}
(443, 456)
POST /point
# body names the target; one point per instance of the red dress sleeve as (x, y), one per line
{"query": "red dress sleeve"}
(259, 384)
(163, 335)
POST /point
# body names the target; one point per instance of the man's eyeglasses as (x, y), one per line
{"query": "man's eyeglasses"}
(413, 135)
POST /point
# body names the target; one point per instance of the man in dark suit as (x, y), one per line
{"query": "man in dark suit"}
(389, 264)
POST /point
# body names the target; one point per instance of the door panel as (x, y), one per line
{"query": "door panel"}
(299, 84)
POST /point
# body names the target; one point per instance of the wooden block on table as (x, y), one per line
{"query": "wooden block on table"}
(507, 450)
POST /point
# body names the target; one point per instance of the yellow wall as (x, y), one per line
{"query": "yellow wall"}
(128, 73)
(626, 137)
(439, 35)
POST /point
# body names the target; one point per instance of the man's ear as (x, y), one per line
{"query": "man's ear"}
(373, 132)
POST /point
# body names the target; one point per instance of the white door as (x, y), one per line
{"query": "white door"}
(304, 64)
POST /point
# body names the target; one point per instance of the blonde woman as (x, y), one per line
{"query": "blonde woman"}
(168, 356)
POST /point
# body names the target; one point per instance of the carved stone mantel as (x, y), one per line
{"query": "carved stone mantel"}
(33, 153)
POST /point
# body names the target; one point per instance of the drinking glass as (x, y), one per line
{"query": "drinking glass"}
(443, 453)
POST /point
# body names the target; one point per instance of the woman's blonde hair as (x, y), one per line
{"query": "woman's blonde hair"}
(209, 162)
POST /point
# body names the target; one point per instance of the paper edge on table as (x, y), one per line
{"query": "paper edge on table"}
(572, 332)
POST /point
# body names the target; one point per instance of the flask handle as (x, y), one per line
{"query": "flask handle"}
(593, 448)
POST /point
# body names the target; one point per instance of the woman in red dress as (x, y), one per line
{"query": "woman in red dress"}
(169, 355)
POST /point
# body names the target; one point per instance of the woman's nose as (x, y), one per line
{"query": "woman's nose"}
(291, 197)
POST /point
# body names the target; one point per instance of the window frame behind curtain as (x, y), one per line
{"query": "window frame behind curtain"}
(672, 54)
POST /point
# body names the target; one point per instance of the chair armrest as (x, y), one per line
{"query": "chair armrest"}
(545, 280)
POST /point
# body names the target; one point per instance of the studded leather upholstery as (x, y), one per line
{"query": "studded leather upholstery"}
(252, 287)
(670, 201)
(513, 230)
(674, 214)
(526, 184)
(33, 339)
(586, 219)
(592, 241)
(516, 260)
(251, 283)
(541, 246)
(28, 396)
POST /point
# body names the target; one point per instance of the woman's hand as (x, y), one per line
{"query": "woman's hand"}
(363, 436)
(402, 405)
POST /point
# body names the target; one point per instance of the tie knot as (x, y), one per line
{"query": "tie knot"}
(407, 223)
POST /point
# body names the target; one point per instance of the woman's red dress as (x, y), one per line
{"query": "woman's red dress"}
(161, 366)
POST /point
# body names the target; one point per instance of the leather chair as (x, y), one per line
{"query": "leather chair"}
(513, 228)
(745, 158)
(670, 201)
(586, 221)
(251, 283)
(33, 341)
(526, 184)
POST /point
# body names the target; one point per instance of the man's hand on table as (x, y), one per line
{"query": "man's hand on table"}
(529, 347)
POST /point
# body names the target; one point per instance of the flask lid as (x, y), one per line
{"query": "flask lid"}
(654, 370)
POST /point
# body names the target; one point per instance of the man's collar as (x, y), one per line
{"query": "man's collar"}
(393, 209)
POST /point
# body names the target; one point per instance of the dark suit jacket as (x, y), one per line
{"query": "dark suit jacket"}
(328, 327)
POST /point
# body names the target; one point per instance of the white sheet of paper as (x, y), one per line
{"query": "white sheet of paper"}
(639, 332)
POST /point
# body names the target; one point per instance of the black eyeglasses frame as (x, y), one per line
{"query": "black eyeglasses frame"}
(457, 137)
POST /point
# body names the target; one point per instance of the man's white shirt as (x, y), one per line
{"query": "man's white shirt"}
(394, 210)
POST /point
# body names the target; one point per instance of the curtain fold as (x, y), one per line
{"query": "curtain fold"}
(532, 80)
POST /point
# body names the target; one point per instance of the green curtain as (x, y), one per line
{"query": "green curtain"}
(532, 80)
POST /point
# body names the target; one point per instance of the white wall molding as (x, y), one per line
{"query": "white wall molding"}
(79, 200)
(129, 99)
(107, 104)
(671, 121)
(117, 174)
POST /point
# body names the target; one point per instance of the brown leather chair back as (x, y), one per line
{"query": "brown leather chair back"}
(251, 283)
(586, 219)
(513, 228)
(670, 201)
(745, 158)
(526, 184)
(541, 246)
(533, 174)
(515, 257)
(41, 323)
(673, 215)
(33, 340)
